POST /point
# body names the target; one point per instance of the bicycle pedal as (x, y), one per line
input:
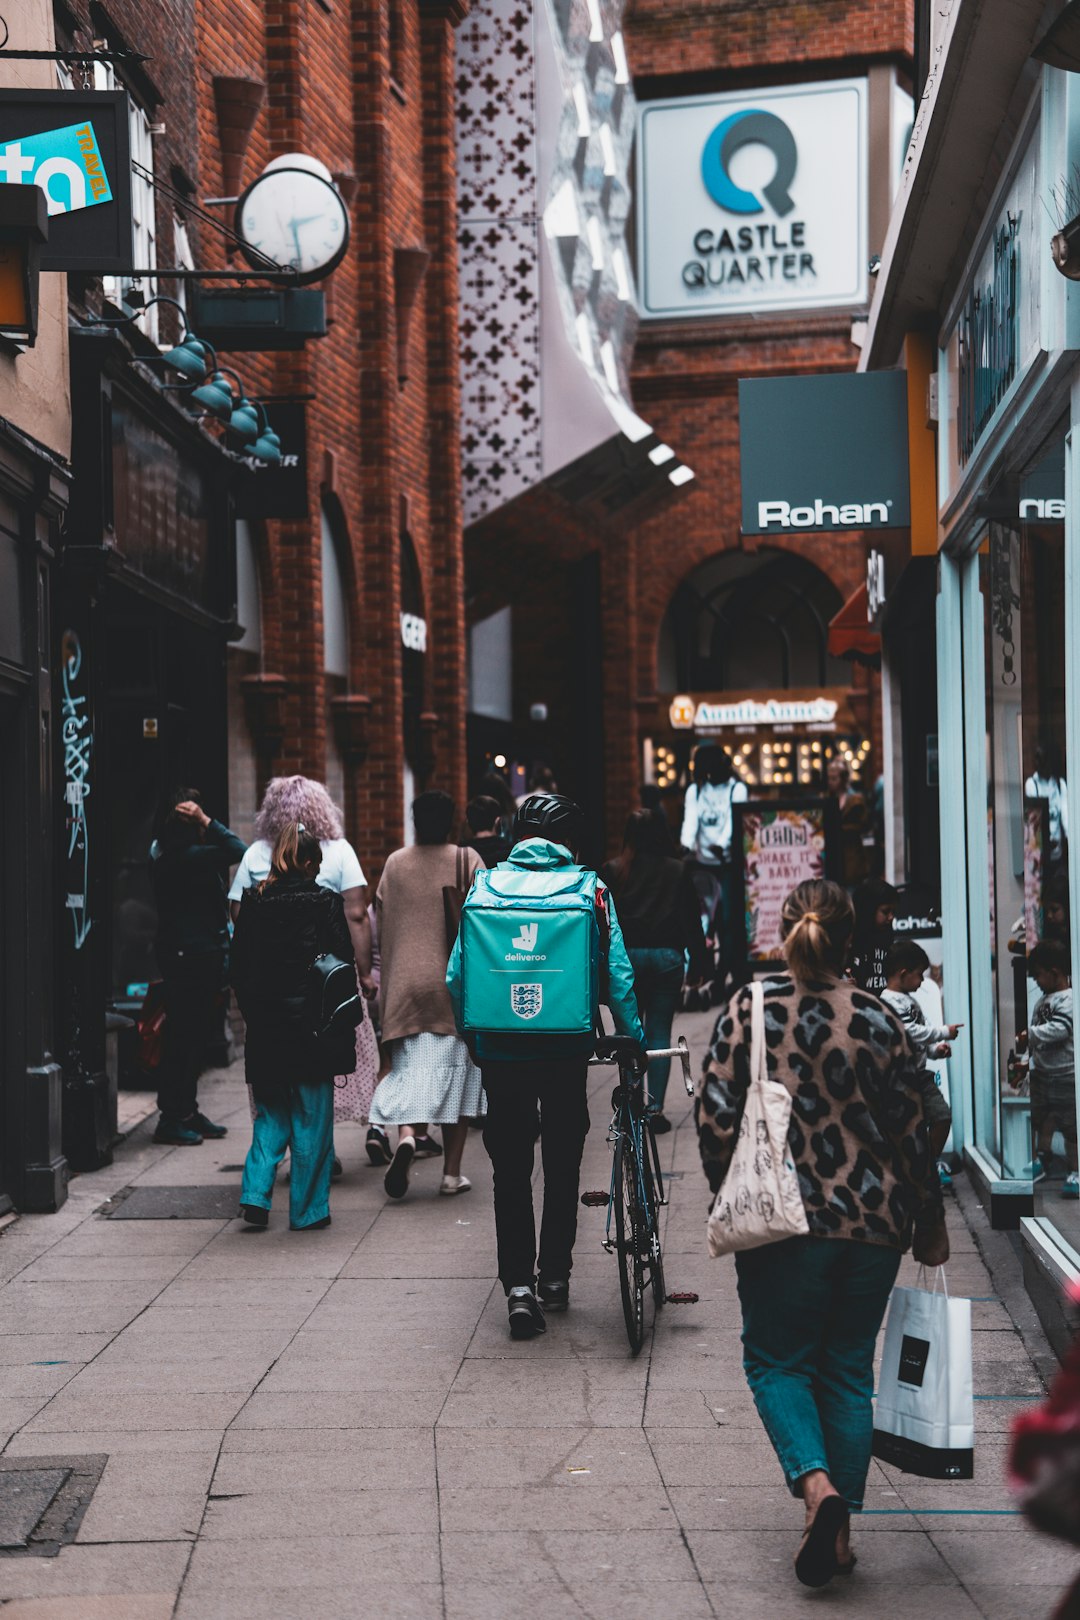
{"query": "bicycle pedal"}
(595, 1200)
(683, 1299)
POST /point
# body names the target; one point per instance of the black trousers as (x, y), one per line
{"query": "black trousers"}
(513, 1092)
(193, 984)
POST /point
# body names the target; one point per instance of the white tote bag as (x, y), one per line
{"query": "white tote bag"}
(759, 1200)
(924, 1415)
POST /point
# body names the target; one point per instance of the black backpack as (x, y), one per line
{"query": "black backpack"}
(334, 1008)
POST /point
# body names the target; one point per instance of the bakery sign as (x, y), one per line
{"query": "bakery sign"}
(753, 200)
(708, 716)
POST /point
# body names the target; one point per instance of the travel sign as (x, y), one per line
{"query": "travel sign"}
(74, 145)
(753, 201)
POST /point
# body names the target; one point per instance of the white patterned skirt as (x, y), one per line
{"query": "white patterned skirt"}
(432, 1078)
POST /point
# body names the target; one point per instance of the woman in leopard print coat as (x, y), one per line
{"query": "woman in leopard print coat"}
(812, 1306)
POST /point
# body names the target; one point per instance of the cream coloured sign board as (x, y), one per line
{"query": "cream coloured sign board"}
(753, 201)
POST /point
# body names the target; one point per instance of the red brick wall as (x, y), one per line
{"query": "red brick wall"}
(686, 373)
(378, 452)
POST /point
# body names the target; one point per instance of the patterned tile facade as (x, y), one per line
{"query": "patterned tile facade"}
(504, 226)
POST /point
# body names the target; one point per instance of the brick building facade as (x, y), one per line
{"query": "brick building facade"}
(686, 372)
(222, 636)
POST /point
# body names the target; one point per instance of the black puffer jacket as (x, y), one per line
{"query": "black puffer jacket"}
(280, 931)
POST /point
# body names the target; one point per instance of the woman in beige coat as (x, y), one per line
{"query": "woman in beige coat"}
(431, 1075)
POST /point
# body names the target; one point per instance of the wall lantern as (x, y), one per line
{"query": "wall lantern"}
(1065, 249)
(24, 228)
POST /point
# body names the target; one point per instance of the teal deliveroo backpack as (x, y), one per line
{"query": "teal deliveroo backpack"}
(530, 953)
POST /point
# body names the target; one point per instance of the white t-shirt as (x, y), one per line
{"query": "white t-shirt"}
(708, 820)
(340, 870)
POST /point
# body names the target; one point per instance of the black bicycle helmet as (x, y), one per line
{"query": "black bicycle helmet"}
(549, 815)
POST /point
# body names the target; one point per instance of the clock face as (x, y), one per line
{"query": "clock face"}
(297, 219)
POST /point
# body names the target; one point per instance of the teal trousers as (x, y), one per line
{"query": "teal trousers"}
(302, 1120)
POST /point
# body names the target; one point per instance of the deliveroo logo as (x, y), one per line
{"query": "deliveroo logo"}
(526, 939)
(751, 127)
(66, 163)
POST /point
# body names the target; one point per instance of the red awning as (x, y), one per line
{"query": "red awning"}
(850, 633)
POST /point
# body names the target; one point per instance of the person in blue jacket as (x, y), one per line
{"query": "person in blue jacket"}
(523, 1071)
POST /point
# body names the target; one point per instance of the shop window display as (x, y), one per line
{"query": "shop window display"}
(1025, 1122)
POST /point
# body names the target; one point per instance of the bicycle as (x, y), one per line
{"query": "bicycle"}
(636, 1195)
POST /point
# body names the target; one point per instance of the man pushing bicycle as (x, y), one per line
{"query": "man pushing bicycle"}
(538, 950)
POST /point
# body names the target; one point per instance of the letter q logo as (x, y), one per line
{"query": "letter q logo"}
(751, 127)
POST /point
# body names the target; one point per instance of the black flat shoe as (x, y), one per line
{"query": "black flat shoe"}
(660, 1124)
(254, 1215)
(312, 1226)
(817, 1563)
(396, 1179)
(553, 1296)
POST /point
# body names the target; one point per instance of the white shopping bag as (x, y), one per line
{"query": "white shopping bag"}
(924, 1415)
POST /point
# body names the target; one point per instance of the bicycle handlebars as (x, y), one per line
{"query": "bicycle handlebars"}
(619, 1048)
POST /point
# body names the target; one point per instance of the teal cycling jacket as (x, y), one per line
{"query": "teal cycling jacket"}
(539, 855)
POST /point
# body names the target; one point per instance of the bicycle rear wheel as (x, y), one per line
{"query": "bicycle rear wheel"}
(650, 1171)
(630, 1228)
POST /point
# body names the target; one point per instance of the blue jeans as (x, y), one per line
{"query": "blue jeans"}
(301, 1119)
(658, 977)
(812, 1308)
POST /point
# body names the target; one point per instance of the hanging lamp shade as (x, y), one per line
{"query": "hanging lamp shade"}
(189, 358)
(267, 447)
(243, 424)
(216, 396)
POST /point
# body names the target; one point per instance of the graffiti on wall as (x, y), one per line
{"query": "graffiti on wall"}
(78, 748)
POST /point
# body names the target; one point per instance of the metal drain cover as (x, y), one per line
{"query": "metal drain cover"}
(24, 1496)
(42, 1502)
(207, 1203)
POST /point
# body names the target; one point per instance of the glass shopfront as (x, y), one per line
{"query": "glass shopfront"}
(1025, 1123)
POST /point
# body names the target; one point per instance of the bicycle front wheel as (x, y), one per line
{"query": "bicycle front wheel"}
(650, 1173)
(629, 1237)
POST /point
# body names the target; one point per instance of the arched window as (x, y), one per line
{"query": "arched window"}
(335, 609)
(748, 622)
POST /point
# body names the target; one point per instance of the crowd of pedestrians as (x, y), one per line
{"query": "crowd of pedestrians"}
(402, 1049)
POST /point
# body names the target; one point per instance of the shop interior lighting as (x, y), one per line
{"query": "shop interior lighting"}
(596, 22)
(607, 360)
(681, 475)
(661, 453)
(596, 242)
(500, 761)
(618, 51)
(584, 338)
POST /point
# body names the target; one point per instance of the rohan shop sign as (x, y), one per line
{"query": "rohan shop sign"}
(755, 200)
(824, 452)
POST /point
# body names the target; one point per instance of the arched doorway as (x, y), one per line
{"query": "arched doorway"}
(743, 659)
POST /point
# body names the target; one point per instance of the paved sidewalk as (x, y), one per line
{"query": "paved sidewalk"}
(335, 1424)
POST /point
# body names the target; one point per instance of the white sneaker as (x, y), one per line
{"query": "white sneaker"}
(454, 1184)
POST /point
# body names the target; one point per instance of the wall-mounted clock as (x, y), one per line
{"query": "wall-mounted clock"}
(294, 214)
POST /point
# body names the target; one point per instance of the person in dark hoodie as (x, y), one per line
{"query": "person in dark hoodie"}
(661, 924)
(189, 868)
(284, 924)
(484, 817)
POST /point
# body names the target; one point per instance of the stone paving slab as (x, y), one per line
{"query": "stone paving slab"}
(337, 1425)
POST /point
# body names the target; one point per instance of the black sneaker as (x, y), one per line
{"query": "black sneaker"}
(554, 1296)
(177, 1133)
(336, 1169)
(254, 1215)
(526, 1314)
(206, 1127)
(396, 1179)
(660, 1124)
(428, 1147)
(377, 1146)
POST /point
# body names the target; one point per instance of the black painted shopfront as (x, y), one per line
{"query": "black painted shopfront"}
(145, 610)
(33, 498)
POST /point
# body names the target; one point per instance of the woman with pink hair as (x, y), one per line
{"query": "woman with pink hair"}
(292, 799)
